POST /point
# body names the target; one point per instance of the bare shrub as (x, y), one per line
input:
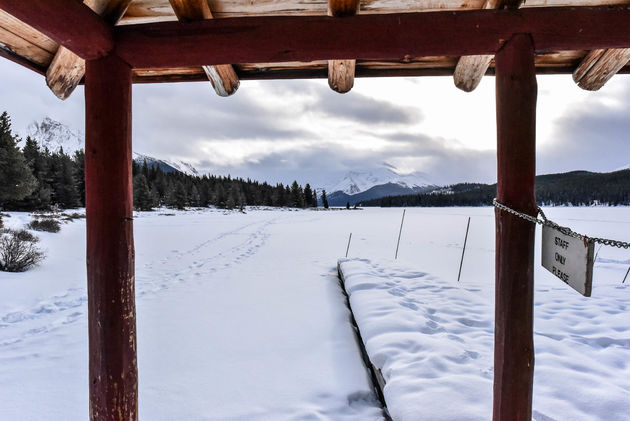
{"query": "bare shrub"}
(25, 235)
(72, 216)
(48, 225)
(18, 251)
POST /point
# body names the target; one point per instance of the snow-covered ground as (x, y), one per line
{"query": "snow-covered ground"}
(240, 317)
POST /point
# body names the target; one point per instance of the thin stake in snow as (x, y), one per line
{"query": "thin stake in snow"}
(461, 262)
(598, 249)
(400, 233)
(348, 248)
(624, 278)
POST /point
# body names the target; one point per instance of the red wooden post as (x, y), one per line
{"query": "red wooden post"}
(110, 253)
(516, 92)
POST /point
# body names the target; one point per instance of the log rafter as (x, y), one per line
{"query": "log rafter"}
(278, 39)
(223, 77)
(67, 69)
(599, 66)
(341, 72)
(471, 69)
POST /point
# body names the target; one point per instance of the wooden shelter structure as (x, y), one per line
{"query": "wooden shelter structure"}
(110, 44)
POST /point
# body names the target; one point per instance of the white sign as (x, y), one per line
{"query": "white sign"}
(568, 258)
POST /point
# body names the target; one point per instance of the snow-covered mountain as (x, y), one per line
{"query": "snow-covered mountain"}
(356, 186)
(55, 135)
(355, 182)
(165, 164)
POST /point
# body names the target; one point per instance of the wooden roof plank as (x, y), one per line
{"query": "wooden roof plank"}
(17, 46)
(222, 77)
(392, 36)
(341, 72)
(67, 69)
(599, 66)
(471, 69)
(68, 22)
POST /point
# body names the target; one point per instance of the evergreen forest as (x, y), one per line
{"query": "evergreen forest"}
(32, 178)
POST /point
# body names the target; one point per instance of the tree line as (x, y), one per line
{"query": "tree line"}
(576, 188)
(34, 178)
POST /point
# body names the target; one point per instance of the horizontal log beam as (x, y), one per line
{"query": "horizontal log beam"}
(68, 22)
(392, 36)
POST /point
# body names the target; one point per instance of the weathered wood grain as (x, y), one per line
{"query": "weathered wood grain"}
(67, 69)
(471, 69)
(341, 75)
(24, 48)
(144, 11)
(27, 32)
(222, 77)
(599, 66)
(67, 22)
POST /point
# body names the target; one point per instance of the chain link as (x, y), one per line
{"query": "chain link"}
(565, 230)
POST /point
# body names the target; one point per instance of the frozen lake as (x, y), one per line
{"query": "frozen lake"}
(240, 316)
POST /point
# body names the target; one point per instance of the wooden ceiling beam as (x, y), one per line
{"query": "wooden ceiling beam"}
(471, 69)
(277, 39)
(68, 22)
(341, 72)
(222, 76)
(67, 69)
(599, 66)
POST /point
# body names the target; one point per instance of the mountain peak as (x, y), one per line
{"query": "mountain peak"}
(354, 182)
(55, 135)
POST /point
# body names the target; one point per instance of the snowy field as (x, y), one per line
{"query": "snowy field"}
(240, 317)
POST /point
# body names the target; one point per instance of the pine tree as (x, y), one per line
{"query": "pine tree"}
(16, 179)
(324, 199)
(79, 175)
(39, 198)
(142, 197)
(297, 195)
(314, 199)
(65, 191)
(180, 199)
(308, 196)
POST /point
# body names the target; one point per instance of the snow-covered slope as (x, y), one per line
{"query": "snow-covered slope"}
(165, 164)
(355, 182)
(54, 135)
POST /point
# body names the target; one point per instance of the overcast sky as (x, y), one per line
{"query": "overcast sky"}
(279, 131)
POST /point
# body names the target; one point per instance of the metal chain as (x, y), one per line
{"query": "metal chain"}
(565, 230)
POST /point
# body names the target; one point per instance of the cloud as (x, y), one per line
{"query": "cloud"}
(365, 110)
(592, 135)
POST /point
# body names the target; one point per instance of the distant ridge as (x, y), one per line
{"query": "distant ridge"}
(574, 188)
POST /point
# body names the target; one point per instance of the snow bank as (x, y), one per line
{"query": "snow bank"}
(433, 342)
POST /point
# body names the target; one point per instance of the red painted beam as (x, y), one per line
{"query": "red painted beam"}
(110, 252)
(68, 22)
(516, 92)
(373, 37)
